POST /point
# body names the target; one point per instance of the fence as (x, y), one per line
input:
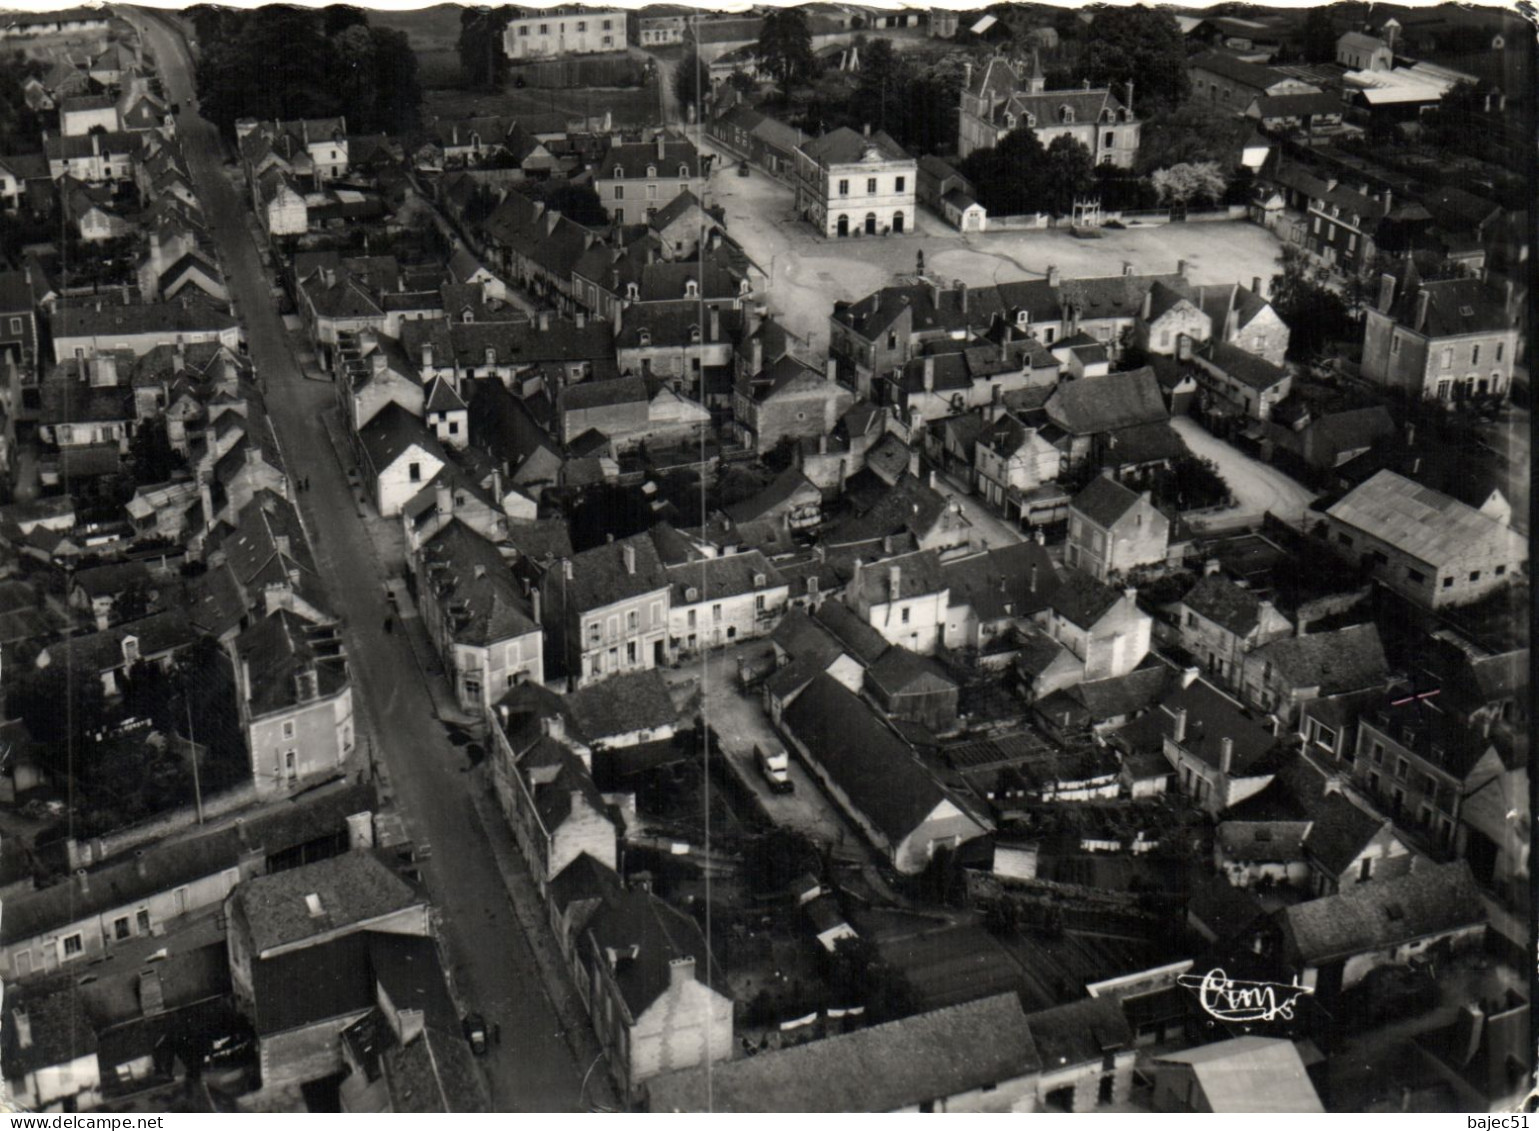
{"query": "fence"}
(99, 848)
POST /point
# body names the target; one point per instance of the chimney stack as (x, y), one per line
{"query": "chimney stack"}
(831, 369)
(1226, 754)
(1469, 1029)
(427, 356)
(1178, 734)
(715, 325)
(661, 145)
(1255, 286)
(1181, 268)
(1210, 567)
(544, 322)
(566, 569)
(444, 497)
(894, 583)
(1188, 676)
(1148, 305)
(628, 552)
(1033, 582)
(929, 374)
(1423, 297)
(681, 971)
(1127, 269)
(580, 319)
(1054, 276)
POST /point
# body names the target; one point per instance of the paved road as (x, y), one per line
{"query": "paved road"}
(1256, 486)
(990, 531)
(533, 1069)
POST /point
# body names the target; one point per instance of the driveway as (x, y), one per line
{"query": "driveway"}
(740, 724)
(491, 962)
(1256, 486)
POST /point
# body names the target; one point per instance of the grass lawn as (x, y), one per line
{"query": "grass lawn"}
(629, 106)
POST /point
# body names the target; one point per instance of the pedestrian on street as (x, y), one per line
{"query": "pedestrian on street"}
(389, 625)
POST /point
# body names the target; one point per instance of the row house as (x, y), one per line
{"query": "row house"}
(758, 138)
(1430, 548)
(719, 601)
(606, 611)
(636, 180)
(1240, 382)
(129, 901)
(527, 357)
(1101, 627)
(1219, 623)
(904, 598)
(536, 247)
(1011, 459)
(1282, 675)
(1226, 82)
(83, 328)
(399, 456)
(1114, 529)
(941, 384)
(853, 184)
(1007, 96)
(296, 700)
(476, 613)
(555, 33)
(1448, 340)
(780, 398)
(678, 340)
(313, 149)
(97, 158)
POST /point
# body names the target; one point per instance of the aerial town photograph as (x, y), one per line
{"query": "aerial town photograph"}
(828, 558)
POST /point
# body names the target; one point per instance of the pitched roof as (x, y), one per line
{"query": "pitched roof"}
(158, 634)
(311, 985)
(645, 935)
(391, 432)
(1104, 501)
(872, 766)
(1211, 717)
(1080, 1031)
(636, 157)
(1298, 105)
(1347, 659)
(1339, 831)
(845, 146)
(1013, 581)
(600, 576)
(469, 579)
(280, 651)
(860, 639)
(1251, 1074)
(731, 575)
(1427, 525)
(1454, 307)
(622, 705)
(78, 319)
(1374, 916)
(1081, 599)
(918, 575)
(1237, 70)
(1247, 368)
(1226, 604)
(1102, 404)
(60, 1030)
(350, 890)
(946, 1052)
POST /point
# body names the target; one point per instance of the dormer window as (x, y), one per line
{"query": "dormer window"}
(694, 334)
(1066, 113)
(1023, 317)
(691, 289)
(467, 315)
(691, 594)
(130, 650)
(619, 173)
(651, 170)
(1031, 121)
(759, 581)
(644, 337)
(1009, 120)
(491, 355)
(1106, 115)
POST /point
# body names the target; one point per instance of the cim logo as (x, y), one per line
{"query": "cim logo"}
(1231, 999)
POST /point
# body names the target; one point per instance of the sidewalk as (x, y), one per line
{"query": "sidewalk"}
(555, 975)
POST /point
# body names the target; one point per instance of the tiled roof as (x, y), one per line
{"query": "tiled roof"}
(732, 575)
(1385, 913)
(1339, 831)
(1104, 501)
(635, 158)
(1211, 716)
(1237, 70)
(391, 432)
(1454, 307)
(1081, 599)
(1080, 1032)
(78, 319)
(277, 649)
(1224, 603)
(60, 1031)
(845, 146)
(1256, 372)
(1250, 1074)
(622, 705)
(918, 575)
(645, 935)
(871, 765)
(1425, 524)
(1348, 659)
(902, 1064)
(1013, 581)
(470, 581)
(1103, 404)
(351, 890)
(599, 576)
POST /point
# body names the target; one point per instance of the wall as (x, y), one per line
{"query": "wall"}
(395, 486)
(1486, 556)
(584, 830)
(301, 1055)
(739, 620)
(688, 1025)
(321, 741)
(79, 1078)
(923, 627)
(947, 825)
(595, 31)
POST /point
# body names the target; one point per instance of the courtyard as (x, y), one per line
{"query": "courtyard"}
(807, 274)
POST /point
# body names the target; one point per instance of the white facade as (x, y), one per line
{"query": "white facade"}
(557, 32)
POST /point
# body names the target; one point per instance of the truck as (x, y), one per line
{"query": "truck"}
(774, 765)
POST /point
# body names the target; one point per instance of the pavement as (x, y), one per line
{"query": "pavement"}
(808, 273)
(740, 724)
(1256, 486)
(491, 962)
(991, 531)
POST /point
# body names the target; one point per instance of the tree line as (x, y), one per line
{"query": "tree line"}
(279, 63)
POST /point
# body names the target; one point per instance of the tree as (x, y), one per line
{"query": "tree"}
(1008, 177)
(687, 79)
(1183, 183)
(785, 48)
(577, 202)
(1189, 134)
(397, 84)
(337, 18)
(1068, 172)
(883, 84)
(60, 707)
(1316, 314)
(1319, 44)
(482, 58)
(1143, 46)
(267, 63)
(772, 861)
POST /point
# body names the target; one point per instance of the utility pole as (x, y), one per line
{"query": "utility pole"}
(197, 787)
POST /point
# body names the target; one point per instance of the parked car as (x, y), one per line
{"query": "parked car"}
(475, 1033)
(775, 766)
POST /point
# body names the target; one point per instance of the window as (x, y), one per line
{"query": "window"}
(1499, 346)
(619, 192)
(120, 929)
(692, 618)
(609, 41)
(1110, 139)
(288, 728)
(1394, 345)
(1402, 768)
(871, 186)
(414, 471)
(595, 633)
(544, 29)
(758, 603)
(454, 427)
(72, 945)
(1378, 753)
(608, 25)
(1447, 357)
(1344, 539)
(142, 920)
(844, 188)
(1317, 225)
(16, 328)
(1447, 583)
(1365, 868)
(899, 184)
(630, 652)
(651, 192)
(684, 172)
(1191, 620)
(632, 621)
(1474, 576)
(1499, 570)
(715, 614)
(582, 25)
(1475, 355)
(904, 616)
(523, 31)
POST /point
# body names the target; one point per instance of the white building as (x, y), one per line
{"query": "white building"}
(551, 33)
(852, 184)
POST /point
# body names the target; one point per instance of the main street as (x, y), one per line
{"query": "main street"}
(532, 1069)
